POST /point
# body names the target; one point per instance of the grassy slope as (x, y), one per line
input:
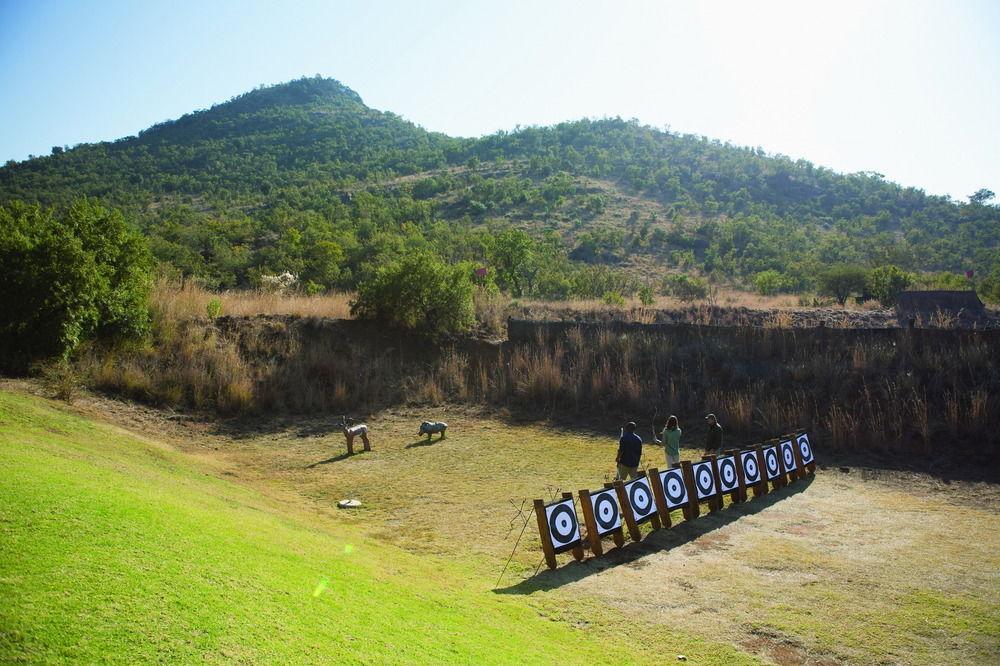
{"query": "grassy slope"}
(112, 548)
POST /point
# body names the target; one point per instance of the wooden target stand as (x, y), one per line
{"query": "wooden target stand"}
(628, 515)
(594, 535)
(548, 549)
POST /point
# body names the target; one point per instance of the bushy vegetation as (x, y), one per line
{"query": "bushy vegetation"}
(304, 178)
(69, 274)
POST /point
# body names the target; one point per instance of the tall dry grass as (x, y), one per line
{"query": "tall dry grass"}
(175, 302)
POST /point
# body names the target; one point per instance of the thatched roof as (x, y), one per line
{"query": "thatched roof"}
(927, 302)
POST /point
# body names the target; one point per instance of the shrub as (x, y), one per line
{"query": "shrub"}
(842, 281)
(684, 287)
(68, 275)
(886, 283)
(646, 296)
(418, 291)
(614, 299)
(771, 282)
(213, 308)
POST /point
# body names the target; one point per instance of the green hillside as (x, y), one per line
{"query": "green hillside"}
(115, 549)
(303, 177)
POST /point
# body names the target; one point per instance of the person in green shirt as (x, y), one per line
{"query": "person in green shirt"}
(671, 441)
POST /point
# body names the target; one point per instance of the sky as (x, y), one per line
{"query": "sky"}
(908, 89)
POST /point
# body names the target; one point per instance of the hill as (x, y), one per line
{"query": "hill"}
(303, 177)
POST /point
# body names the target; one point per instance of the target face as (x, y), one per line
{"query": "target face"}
(640, 498)
(771, 462)
(563, 526)
(805, 449)
(606, 513)
(727, 474)
(674, 489)
(704, 480)
(788, 456)
(751, 472)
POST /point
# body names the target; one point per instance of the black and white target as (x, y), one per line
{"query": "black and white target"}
(788, 456)
(704, 480)
(805, 449)
(606, 513)
(674, 489)
(771, 462)
(563, 525)
(751, 471)
(728, 480)
(640, 498)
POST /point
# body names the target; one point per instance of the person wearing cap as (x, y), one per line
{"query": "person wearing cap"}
(713, 440)
(629, 452)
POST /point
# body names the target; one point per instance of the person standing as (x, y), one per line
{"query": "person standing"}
(629, 453)
(671, 441)
(713, 440)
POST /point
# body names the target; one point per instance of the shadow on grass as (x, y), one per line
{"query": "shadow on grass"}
(654, 542)
(423, 442)
(343, 456)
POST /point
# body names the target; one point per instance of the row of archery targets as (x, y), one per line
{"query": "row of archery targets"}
(651, 496)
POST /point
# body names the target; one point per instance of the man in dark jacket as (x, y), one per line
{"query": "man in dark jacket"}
(629, 452)
(713, 440)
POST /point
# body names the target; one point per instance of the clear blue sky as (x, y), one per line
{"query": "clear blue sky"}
(909, 89)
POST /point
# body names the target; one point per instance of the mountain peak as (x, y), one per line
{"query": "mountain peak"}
(299, 92)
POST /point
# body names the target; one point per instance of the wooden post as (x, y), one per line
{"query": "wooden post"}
(654, 519)
(692, 510)
(543, 532)
(740, 494)
(618, 536)
(588, 519)
(714, 502)
(661, 501)
(626, 507)
(762, 465)
(577, 550)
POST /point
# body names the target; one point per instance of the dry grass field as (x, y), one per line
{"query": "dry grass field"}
(857, 567)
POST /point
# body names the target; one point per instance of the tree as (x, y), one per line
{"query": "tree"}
(509, 252)
(68, 276)
(886, 283)
(842, 281)
(420, 292)
(770, 282)
(981, 196)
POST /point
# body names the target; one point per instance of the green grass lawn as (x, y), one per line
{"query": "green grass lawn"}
(115, 548)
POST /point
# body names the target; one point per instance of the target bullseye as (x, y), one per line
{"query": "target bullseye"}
(704, 480)
(728, 480)
(805, 449)
(788, 456)
(674, 490)
(640, 499)
(563, 526)
(606, 513)
(751, 473)
(771, 462)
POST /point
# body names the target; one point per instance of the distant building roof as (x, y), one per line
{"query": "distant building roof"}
(926, 302)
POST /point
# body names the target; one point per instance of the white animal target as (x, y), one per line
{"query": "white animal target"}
(771, 462)
(564, 529)
(728, 481)
(788, 456)
(674, 489)
(805, 449)
(751, 472)
(607, 515)
(704, 480)
(640, 499)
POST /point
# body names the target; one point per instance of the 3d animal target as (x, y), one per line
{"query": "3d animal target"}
(607, 515)
(674, 489)
(640, 499)
(788, 456)
(771, 462)
(564, 528)
(728, 480)
(704, 480)
(805, 449)
(751, 471)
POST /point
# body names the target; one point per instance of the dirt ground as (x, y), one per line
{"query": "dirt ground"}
(863, 566)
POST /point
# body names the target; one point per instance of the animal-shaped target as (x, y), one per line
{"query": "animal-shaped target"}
(771, 462)
(751, 472)
(728, 480)
(640, 499)
(805, 449)
(704, 480)
(606, 513)
(674, 489)
(564, 529)
(788, 456)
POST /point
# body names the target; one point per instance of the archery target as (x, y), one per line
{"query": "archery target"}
(563, 526)
(606, 513)
(751, 472)
(805, 449)
(704, 480)
(771, 462)
(727, 474)
(788, 456)
(640, 498)
(674, 489)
